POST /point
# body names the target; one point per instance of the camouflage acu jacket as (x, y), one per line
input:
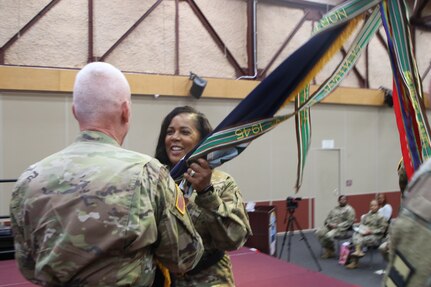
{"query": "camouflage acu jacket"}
(342, 216)
(222, 221)
(95, 214)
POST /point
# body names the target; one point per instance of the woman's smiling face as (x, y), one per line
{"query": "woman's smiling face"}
(181, 136)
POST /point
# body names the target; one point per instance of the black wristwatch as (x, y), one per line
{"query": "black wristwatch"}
(209, 188)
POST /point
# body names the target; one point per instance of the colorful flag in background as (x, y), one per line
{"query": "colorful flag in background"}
(407, 92)
(256, 114)
(303, 120)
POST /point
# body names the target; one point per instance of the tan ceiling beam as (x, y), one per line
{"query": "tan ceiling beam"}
(323, 5)
(25, 28)
(30, 79)
(216, 38)
(130, 30)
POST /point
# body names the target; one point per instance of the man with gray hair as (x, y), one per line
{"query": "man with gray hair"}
(94, 213)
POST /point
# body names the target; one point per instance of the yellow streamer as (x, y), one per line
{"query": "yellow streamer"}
(336, 46)
(166, 275)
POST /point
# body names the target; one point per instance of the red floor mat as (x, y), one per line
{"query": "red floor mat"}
(251, 269)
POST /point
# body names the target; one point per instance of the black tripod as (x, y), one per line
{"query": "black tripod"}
(291, 220)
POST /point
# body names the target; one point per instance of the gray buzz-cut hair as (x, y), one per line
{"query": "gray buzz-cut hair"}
(99, 90)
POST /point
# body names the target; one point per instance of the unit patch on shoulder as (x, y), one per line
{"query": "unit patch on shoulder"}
(179, 201)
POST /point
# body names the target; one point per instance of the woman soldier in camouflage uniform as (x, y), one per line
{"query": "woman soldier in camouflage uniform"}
(215, 206)
(369, 233)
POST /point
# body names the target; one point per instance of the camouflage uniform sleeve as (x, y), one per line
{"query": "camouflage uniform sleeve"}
(23, 255)
(380, 226)
(179, 245)
(410, 235)
(224, 215)
(330, 217)
(398, 232)
(349, 218)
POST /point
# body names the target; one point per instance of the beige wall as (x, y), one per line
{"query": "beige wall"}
(35, 124)
(60, 37)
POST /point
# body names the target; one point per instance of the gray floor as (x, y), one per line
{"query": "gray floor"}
(300, 255)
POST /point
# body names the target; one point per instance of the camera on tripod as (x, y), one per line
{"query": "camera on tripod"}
(292, 202)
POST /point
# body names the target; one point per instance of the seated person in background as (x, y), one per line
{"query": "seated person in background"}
(385, 209)
(338, 221)
(370, 232)
(402, 177)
